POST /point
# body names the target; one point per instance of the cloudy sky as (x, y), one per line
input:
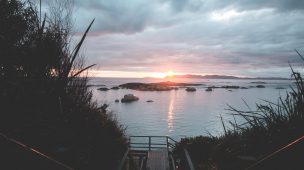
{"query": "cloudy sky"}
(139, 38)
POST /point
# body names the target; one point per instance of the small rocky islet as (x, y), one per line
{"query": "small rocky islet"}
(169, 85)
(115, 88)
(161, 86)
(129, 98)
(260, 86)
(209, 89)
(103, 89)
(190, 89)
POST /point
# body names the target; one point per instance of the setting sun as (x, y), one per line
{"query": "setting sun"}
(151, 85)
(170, 73)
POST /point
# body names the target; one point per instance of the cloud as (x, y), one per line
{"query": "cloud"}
(133, 16)
(239, 37)
(247, 5)
(189, 5)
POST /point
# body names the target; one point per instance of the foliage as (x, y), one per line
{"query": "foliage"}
(44, 101)
(270, 127)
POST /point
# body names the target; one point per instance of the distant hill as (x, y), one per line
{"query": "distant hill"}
(192, 76)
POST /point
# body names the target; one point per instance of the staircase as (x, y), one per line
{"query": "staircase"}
(149, 153)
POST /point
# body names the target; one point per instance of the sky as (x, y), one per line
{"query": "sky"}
(143, 38)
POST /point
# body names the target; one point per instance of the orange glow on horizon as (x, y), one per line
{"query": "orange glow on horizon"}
(132, 74)
(170, 73)
(125, 74)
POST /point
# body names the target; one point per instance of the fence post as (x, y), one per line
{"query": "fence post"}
(149, 143)
(167, 144)
(130, 142)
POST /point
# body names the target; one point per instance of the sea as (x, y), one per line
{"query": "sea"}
(179, 113)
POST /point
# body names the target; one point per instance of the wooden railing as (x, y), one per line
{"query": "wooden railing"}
(34, 153)
(140, 145)
(151, 143)
(148, 143)
(278, 158)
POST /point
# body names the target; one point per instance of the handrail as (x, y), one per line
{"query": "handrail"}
(169, 143)
(301, 139)
(172, 162)
(148, 143)
(157, 136)
(138, 143)
(172, 139)
(34, 151)
(123, 160)
(151, 147)
(188, 158)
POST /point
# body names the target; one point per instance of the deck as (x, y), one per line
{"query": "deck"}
(150, 153)
(158, 160)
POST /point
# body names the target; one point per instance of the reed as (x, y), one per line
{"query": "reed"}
(265, 130)
(45, 99)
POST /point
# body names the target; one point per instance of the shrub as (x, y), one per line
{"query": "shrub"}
(269, 128)
(44, 96)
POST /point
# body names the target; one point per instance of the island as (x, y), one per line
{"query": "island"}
(161, 86)
(194, 76)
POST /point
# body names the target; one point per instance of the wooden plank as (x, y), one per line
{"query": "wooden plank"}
(158, 160)
(16, 155)
(172, 162)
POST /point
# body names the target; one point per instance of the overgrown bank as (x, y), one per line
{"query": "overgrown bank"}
(269, 128)
(45, 103)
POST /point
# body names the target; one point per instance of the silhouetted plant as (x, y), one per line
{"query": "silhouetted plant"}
(270, 127)
(44, 96)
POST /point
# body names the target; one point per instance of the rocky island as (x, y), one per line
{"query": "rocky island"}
(129, 98)
(161, 86)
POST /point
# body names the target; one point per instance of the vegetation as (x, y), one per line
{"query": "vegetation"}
(45, 103)
(269, 128)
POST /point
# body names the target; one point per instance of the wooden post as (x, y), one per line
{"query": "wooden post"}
(149, 143)
(130, 142)
(167, 144)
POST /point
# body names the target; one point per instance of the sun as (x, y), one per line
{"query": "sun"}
(170, 73)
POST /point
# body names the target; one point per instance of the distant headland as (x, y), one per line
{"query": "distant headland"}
(194, 76)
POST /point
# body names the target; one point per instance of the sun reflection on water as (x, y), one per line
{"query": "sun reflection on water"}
(170, 112)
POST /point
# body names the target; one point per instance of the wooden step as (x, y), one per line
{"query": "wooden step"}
(158, 160)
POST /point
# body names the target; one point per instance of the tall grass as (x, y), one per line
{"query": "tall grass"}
(270, 127)
(45, 101)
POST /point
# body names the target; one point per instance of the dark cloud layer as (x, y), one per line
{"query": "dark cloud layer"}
(242, 37)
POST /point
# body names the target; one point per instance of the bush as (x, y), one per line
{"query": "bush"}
(45, 103)
(266, 130)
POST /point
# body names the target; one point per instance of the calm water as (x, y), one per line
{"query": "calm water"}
(178, 113)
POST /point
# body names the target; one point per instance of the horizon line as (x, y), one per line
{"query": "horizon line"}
(166, 77)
